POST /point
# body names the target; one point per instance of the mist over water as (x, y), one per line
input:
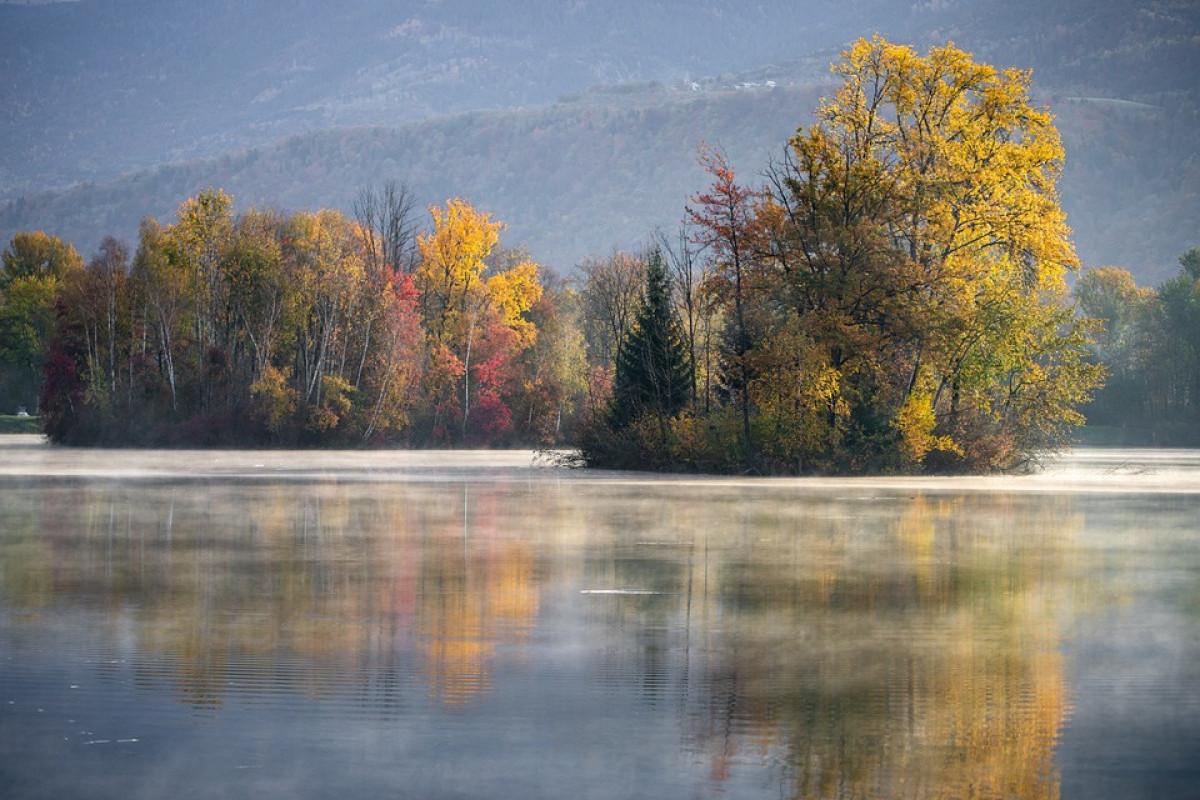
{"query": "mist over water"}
(470, 624)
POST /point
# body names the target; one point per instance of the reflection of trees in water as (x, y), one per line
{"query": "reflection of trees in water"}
(477, 590)
(26, 566)
(865, 647)
(896, 648)
(284, 590)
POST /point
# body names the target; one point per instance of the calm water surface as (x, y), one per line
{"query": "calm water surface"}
(478, 625)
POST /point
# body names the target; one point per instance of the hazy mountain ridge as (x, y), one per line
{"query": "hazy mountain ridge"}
(608, 167)
(578, 177)
(385, 90)
(100, 87)
(96, 88)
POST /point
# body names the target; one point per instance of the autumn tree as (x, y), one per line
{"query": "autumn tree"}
(325, 269)
(163, 294)
(499, 377)
(388, 231)
(451, 262)
(919, 242)
(476, 319)
(611, 292)
(725, 225)
(196, 245)
(261, 294)
(554, 369)
(33, 269)
(96, 388)
(391, 370)
(450, 268)
(102, 298)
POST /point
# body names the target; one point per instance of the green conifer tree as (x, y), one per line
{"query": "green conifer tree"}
(653, 373)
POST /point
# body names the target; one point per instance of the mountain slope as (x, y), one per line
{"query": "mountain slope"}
(606, 168)
(571, 179)
(300, 103)
(96, 88)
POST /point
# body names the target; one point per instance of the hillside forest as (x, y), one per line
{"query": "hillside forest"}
(893, 296)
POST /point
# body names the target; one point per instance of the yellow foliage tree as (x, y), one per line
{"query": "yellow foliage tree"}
(451, 263)
(328, 270)
(919, 239)
(513, 293)
(33, 268)
(472, 320)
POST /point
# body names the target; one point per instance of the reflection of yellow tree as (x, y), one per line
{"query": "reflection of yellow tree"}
(996, 697)
(477, 591)
(905, 655)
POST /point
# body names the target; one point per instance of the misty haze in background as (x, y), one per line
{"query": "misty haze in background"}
(575, 122)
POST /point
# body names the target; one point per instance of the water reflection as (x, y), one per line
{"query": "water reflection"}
(475, 592)
(648, 638)
(881, 647)
(222, 583)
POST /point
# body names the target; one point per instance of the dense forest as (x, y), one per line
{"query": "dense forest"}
(892, 295)
(893, 299)
(305, 328)
(1150, 345)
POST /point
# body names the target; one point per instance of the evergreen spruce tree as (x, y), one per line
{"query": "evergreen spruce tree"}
(653, 374)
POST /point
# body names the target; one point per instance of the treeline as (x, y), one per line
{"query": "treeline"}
(302, 329)
(1150, 344)
(893, 297)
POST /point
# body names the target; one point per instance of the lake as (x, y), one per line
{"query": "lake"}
(213, 624)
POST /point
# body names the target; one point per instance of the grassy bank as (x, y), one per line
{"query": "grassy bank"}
(14, 424)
